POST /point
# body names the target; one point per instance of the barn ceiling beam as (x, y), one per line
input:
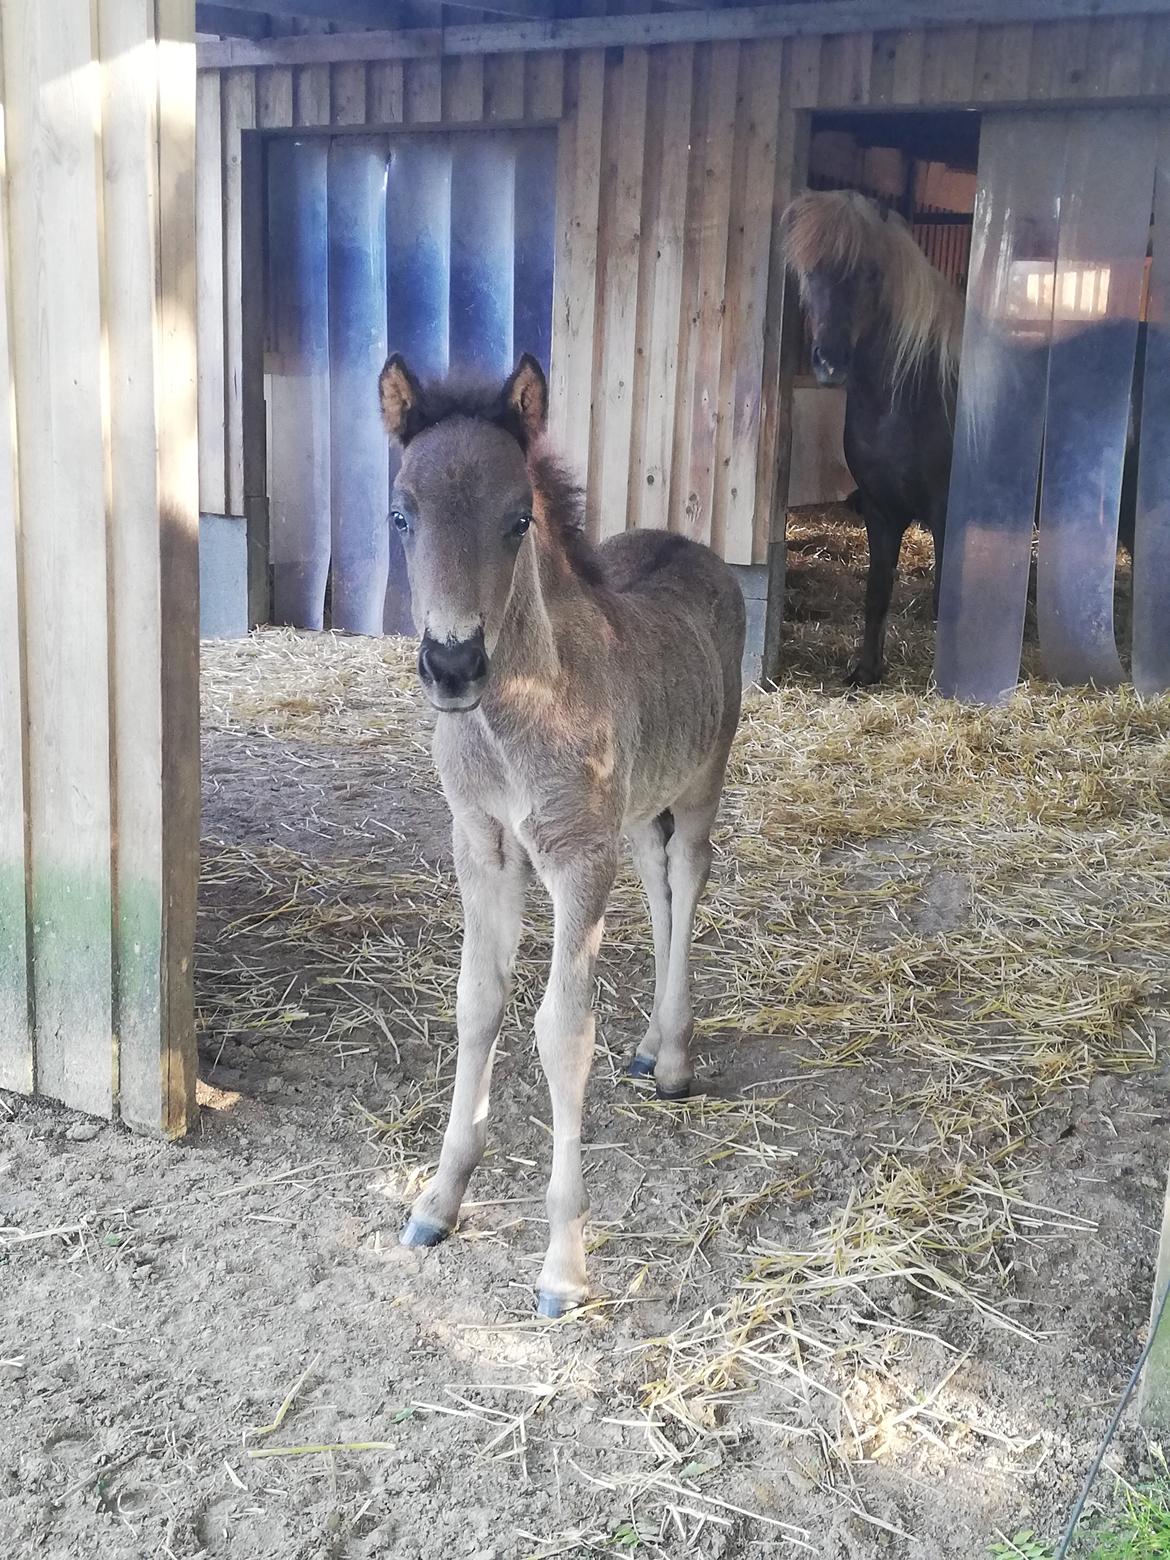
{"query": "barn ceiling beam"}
(353, 13)
(230, 23)
(805, 18)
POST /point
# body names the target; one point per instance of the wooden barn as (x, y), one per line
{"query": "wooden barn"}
(932, 931)
(602, 182)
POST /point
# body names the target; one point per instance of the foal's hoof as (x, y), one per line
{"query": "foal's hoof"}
(417, 1232)
(641, 1066)
(553, 1307)
(681, 1093)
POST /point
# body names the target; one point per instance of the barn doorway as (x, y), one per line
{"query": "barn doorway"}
(435, 245)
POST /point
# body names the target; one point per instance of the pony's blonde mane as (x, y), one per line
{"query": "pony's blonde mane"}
(843, 231)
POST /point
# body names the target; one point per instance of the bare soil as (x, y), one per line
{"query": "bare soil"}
(159, 1301)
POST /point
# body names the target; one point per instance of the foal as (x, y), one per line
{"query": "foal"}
(582, 695)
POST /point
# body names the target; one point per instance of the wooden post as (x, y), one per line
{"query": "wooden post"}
(783, 320)
(1154, 1398)
(98, 558)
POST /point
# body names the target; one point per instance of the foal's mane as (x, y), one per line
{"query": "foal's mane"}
(843, 231)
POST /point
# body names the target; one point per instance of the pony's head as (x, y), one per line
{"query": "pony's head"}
(860, 270)
(462, 505)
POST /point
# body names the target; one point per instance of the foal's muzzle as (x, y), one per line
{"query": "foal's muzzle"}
(453, 672)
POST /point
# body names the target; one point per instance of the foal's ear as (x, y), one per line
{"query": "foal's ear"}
(526, 398)
(400, 395)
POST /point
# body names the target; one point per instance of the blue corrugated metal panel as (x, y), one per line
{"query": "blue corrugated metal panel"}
(439, 247)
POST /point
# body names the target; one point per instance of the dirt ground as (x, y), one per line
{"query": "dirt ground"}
(872, 1293)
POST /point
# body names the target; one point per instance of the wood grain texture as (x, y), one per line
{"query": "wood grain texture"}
(662, 262)
(274, 98)
(347, 94)
(384, 99)
(55, 288)
(238, 113)
(16, 1033)
(748, 271)
(716, 156)
(210, 307)
(575, 275)
(615, 390)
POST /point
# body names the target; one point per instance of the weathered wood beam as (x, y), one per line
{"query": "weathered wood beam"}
(227, 21)
(807, 18)
(355, 13)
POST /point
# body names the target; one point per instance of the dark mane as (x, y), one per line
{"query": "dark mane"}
(562, 505)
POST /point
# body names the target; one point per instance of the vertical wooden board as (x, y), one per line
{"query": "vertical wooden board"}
(1156, 56)
(463, 88)
(149, 424)
(544, 85)
(782, 333)
(503, 87)
(178, 544)
(958, 76)
(238, 114)
(749, 250)
(805, 76)
(718, 152)
(16, 1042)
(575, 278)
(1115, 56)
(384, 104)
(274, 97)
(312, 93)
(620, 328)
(422, 91)
(881, 73)
(934, 59)
(1059, 60)
(687, 326)
(1007, 52)
(209, 317)
(647, 264)
(909, 63)
(51, 99)
(661, 270)
(846, 59)
(606, 213)
(564, 248)
(347, 93)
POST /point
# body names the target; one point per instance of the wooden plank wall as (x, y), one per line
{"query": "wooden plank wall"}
(673, 162)
(98, 559)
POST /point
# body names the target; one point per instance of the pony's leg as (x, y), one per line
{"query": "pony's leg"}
(689, 865)
(564, 1038)
(492, 869)
(648, 843)
(885, 543)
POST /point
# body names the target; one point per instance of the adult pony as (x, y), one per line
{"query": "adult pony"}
(582, 695)
(887, 325)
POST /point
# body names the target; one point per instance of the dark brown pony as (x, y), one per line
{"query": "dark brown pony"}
(887, 325)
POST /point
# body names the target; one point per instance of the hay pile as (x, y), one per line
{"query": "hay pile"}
(971, 902)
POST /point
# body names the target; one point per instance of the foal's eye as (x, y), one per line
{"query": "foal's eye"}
(522, 523)
(400, 522)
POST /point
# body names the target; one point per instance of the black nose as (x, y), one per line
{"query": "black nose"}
(453, 668)
(826, 371)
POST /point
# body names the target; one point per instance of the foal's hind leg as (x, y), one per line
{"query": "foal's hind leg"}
(688, 855)
(492, 870)
(648, 843)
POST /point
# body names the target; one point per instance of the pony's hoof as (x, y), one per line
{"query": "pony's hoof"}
(417, 1232)
(861, 676)
(681, 1093)
(641, 1066)
(553, 1307)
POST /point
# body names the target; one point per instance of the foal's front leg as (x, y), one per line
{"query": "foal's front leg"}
(564, 1038)
(492, 868)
